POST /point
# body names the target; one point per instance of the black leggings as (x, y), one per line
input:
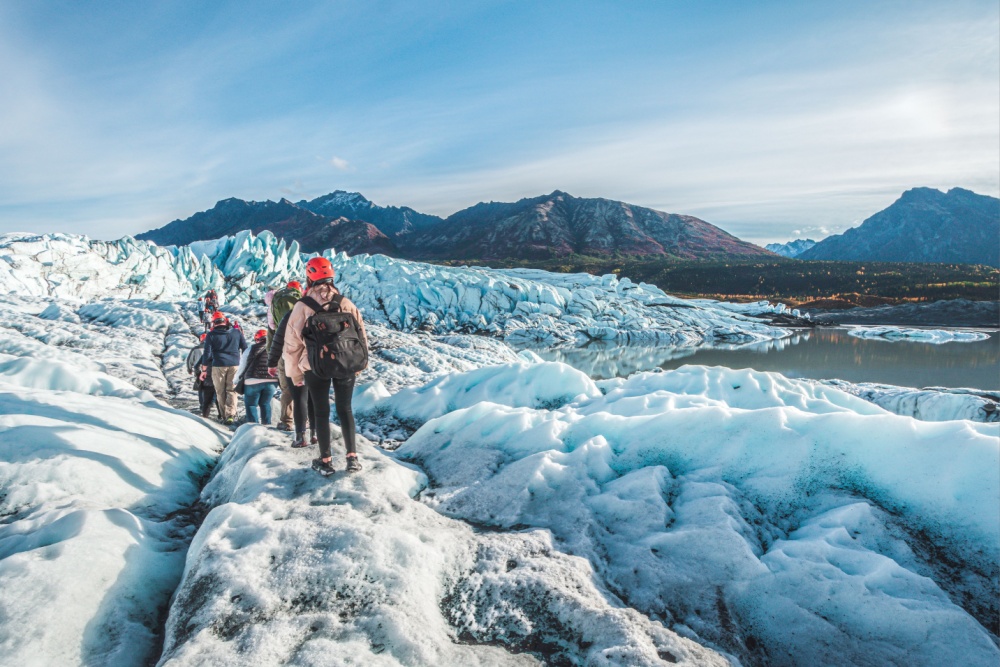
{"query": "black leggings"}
(300, 406)
(319, 395)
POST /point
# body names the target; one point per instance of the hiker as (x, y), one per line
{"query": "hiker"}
(223, 346)
(298, 397)
(280, 304)
(206, 391)
(211, 305)
(304, 349)
(259, 386)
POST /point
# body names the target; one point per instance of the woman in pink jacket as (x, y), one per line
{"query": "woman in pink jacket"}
(319, 286)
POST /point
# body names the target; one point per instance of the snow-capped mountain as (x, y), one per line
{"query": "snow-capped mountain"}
(923, 225)
(517, 512)
(549, 226)
(390, 220)
(792, 248)
(312, 232)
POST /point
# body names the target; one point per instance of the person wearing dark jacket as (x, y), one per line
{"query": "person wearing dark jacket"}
(298, 397)
(223, 347)
(259, 385)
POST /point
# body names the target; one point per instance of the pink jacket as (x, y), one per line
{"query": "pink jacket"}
(294, 352)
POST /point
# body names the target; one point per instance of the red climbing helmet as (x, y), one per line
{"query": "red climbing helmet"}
(260, 335)
(294, 284)
(218, 316)
(319, 268)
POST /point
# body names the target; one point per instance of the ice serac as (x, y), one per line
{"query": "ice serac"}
(291, 568)
(69, 266)
(513, 304)
(785, 521)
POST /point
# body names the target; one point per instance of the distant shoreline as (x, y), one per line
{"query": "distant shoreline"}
(948, 313)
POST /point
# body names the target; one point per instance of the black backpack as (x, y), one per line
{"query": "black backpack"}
(335, 347)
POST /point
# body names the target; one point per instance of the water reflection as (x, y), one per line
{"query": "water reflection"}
(824, 353)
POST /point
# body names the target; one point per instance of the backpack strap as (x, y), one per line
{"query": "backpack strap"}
(314, 304)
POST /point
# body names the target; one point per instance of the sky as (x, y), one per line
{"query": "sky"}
(772, 120)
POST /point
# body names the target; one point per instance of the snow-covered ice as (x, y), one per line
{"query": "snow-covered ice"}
(932, 336)
(928, 404)
(785, 521)
(291, 568)
(95, 478)
(531, 513)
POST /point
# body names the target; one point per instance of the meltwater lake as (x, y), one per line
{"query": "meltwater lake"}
(822, 353)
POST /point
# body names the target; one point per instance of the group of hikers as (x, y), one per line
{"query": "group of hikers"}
(315, 339)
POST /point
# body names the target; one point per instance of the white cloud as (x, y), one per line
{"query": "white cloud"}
(340, 164)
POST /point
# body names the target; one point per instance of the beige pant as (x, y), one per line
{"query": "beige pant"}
(223, 378)
(285, 416)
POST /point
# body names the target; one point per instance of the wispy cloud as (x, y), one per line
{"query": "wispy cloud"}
(761, 132)
(340, 164)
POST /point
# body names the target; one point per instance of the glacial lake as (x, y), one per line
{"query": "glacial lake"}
(823, 353)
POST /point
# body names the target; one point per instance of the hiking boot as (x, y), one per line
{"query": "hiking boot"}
(324, 468)
(353, 464)
(300, 441)
(312, 438)
(283, 427)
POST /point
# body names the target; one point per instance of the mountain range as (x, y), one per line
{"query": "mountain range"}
(552, 225)
(923, 225)
(790, 249)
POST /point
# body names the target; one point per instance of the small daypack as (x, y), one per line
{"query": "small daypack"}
(283, 301)
(335, 347)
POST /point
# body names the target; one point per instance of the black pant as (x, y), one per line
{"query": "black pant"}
(319, 395)
(300, 406)
(206, 397)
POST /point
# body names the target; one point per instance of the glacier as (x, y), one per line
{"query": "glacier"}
(512, 510)
(513, 304)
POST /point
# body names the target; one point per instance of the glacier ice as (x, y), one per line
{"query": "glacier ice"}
(515, 304)
(735, 503)
(628, 521)
(95, 477)
(290, 568)
(932, 336)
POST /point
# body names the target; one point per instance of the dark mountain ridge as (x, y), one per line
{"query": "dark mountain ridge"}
(559, 224)
(552, 225)
(923, 225)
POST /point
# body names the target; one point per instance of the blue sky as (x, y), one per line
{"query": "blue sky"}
(772, 120)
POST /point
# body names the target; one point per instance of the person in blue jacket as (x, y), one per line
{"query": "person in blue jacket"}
(223, 347)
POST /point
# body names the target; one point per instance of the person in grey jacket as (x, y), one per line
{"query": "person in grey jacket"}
(206, 390)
